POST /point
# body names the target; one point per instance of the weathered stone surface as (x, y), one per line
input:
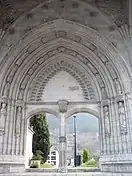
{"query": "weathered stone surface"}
(90, 41)
(70, 174)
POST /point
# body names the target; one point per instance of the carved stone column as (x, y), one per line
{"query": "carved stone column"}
(117, 153)
(63, 104)
(12, 157)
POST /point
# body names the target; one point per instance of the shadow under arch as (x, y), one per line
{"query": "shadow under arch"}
(81, 110)
(42, 110)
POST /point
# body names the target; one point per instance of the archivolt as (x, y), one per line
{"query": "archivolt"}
(85, 42)
(66, 65)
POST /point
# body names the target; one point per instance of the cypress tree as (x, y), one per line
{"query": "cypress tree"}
(41, 141)
(86, 155)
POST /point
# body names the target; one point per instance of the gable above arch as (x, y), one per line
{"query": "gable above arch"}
(62, 79)
(63, 86)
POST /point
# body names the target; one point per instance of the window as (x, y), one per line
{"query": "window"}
(53, 157)
(53, 153)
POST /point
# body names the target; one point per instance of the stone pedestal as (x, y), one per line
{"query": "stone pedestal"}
(116, 163)
(12, 164)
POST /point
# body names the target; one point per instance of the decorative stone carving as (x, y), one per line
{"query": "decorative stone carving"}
(6, 89)
(62, 139)
(18, 121)
(61, 33)
(11, 74)
(63, 105)
(92, 47)
(117, 86)
(100, 81)
(93, 69)
(73, 88)
(3, 113)
(122, 116)
(21, 94)
(53, 69)
(111, 70)
(107, 120)
(25, 81)
(104, 93)
(61, 66)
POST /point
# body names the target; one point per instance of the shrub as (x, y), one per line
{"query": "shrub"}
(84, 164)
(91, 162)
(35, 164)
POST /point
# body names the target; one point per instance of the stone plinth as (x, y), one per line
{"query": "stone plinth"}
(69, 174)
(12, 164)
(118, 164)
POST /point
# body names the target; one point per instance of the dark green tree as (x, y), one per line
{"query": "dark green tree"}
(41, 137)
(86, 156)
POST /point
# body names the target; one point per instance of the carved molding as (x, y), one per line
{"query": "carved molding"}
(62, 49)
(54, 68)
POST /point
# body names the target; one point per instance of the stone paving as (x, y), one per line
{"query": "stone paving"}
(43, 41)
(69, 174)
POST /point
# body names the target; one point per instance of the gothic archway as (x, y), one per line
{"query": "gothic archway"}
(33, 56)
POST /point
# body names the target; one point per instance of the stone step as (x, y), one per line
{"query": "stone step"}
(69, 170)
(68, 174)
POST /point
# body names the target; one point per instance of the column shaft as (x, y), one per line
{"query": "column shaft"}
(62, 143)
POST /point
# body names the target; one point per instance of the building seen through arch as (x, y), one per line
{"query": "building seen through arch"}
(66, 57)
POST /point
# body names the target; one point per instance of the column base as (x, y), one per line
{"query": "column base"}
(12, 168)
(116, 164)
(12, 164)
(62, 169)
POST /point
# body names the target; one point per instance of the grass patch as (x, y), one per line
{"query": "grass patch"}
(89, 164)
(84, 164)
(46, 165)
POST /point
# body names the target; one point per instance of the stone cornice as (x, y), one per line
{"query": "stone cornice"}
(69, 102)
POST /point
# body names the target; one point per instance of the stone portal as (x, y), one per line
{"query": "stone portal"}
(74, 51)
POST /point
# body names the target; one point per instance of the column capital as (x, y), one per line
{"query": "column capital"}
(63, 106)
(62, 139)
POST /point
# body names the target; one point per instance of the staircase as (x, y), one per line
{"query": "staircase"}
(67, 174)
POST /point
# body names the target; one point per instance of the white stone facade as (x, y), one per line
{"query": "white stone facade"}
(65, 57)
(29, 153)
(53, 157)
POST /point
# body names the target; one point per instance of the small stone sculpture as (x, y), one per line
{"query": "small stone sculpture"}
(122, 117)
(6, 89)
(18, 121)
(21, 93)
(107, 120)
(117, 86)
(104, 93)
(2, 116)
